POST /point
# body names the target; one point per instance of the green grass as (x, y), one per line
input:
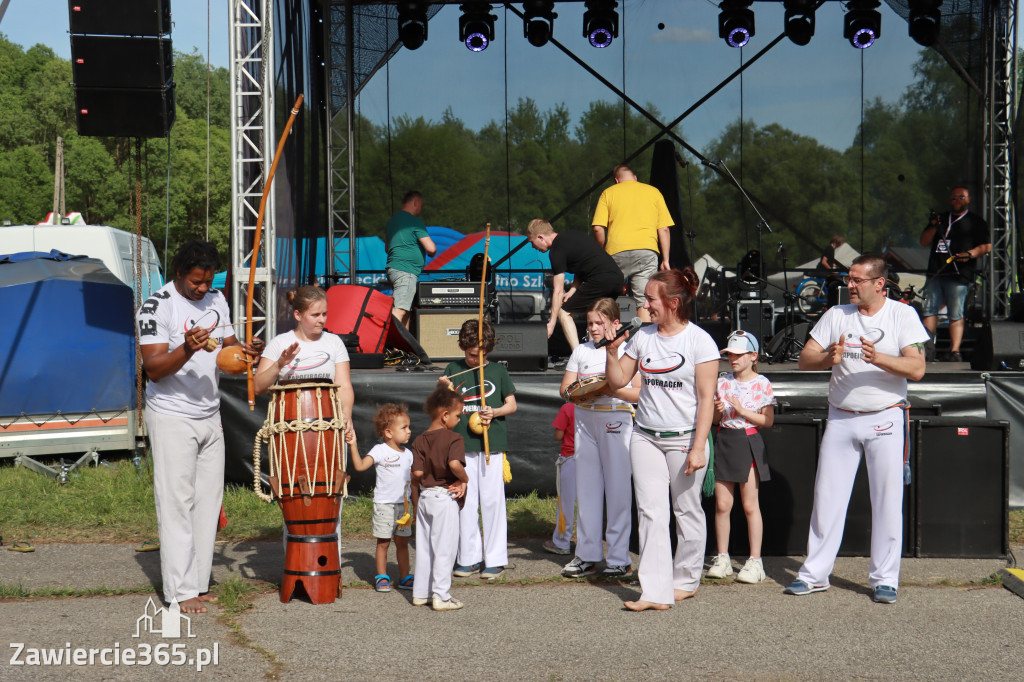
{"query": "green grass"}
(115, 504)
(1017, 526)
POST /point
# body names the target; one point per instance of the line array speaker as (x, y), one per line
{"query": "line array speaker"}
(124, 112)
(120, 17)
(120, 62)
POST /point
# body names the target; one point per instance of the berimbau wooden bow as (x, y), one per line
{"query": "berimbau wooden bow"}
(480, 338)
(254, 260)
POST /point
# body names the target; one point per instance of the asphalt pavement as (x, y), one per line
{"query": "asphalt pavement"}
(947, 624)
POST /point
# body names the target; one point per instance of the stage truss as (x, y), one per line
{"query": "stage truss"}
(355, 54)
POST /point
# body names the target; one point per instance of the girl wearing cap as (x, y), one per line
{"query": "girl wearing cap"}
(743, 404)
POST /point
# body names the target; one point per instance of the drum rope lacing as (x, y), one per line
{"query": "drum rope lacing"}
(272, 427)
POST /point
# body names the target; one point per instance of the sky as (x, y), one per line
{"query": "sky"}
(813, 90)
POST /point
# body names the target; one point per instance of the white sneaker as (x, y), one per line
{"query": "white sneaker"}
(721, 567)
(751, 573)
(420, 601)
(450, 605)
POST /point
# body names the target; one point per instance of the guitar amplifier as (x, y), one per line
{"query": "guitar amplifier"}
(449, 294)
(438, 332)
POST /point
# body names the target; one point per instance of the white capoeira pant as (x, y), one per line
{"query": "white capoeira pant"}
(485, 495)
(565, 475)
(662, 486)
(437, 541)
(880, 436)
(602, 479)
(188, 487)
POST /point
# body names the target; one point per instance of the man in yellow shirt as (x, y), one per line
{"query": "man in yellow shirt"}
(632, 224)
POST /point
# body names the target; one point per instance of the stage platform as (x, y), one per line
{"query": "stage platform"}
(960, 432)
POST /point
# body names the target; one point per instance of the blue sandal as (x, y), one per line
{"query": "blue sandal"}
(405, 583)
(382, 583)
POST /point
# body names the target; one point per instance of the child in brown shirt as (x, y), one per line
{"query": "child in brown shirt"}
(438, 488)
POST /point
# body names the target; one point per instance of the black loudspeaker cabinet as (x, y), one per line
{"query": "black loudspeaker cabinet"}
(787, 499)
(1000, 346)
(438, 331)
(962, 482)
(522, 346)
(125, 112)
(755, 317)
(119, 62)
(120, 17)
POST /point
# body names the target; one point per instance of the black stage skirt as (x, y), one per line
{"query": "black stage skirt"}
(734, 451)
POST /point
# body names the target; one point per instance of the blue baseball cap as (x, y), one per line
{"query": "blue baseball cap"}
(741, 342)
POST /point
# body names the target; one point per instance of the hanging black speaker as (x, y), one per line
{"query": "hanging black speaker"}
(119, 62)
(120, 17)
(125, 112)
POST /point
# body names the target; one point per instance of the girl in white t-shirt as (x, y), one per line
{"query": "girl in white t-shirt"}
(392, 516)
(743, 404)
(604, 424)
(308, 352)
(678, 365)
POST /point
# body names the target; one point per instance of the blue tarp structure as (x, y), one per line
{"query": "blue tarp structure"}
(68, 343)
(525, 270)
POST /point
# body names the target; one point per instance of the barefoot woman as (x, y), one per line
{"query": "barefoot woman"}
(678, 364)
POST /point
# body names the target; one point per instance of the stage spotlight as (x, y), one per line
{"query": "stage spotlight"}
(476, 25)
(799, 20)
(539, 22)
(736, 22)
(862, 24)
(601, 22)
(412, 23)
(925, 20)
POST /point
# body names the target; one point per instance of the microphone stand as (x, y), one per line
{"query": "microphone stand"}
(762, 225)
(690, 237)
(789, 342)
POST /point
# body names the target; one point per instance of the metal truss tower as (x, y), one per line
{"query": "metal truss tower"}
(1000, 115)
(252, 148)
(340, 51)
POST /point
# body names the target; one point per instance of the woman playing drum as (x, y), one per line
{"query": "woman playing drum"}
(603, 428)
(678, 363)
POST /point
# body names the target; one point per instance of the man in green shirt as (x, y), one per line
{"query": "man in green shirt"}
(407, 242)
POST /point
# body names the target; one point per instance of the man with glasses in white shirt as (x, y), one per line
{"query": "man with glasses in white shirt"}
(872, 345)
(955, 240)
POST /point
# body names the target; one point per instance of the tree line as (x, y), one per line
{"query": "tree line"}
(876, 193)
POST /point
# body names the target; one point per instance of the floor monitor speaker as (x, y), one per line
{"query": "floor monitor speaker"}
(1000, 346)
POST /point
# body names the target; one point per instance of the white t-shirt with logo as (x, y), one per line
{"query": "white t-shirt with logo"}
(394, 471)
(857, 385)
(315, 360)
(752, 395)
(588, 361)
(165, 317)
(667, 364)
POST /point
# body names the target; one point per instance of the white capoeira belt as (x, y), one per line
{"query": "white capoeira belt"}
(607, 408)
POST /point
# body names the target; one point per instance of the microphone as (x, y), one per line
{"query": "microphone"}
(633, 325)
(709, 163)
(780, 247)
(679, 160)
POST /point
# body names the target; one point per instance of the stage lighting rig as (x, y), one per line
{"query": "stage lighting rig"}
(799, 20)
(862, 24)
(476, 25)
(412, 23)
(539, 21)
(736, 22)
(925, 21)
(601, 22)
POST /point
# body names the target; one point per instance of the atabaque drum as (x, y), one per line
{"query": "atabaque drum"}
(307, 477)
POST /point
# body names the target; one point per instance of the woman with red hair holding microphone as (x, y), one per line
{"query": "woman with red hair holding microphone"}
(669, 449)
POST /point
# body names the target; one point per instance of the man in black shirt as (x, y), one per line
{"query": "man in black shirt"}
(956, 240)
(595, 274)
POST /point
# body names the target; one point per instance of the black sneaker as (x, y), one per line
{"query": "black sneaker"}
(954, 356)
